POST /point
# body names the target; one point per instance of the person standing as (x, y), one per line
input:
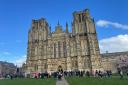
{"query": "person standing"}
(121, 74)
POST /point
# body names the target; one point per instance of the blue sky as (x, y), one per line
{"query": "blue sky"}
(111, 17)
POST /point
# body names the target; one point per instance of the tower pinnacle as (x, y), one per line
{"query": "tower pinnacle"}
(66, 27)
(58, 23)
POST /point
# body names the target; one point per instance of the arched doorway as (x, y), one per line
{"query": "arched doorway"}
(60, 69)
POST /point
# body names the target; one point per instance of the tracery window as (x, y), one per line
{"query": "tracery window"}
(54, 50)
(64, 49)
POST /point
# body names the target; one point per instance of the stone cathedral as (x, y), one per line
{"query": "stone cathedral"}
(69, 51)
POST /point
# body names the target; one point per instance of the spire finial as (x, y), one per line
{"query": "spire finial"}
(58, 23)
(66, 27)
(66, 24)
(50, 28)
(87, 13)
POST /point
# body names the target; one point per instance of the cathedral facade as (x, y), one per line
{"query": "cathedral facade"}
(69, 51)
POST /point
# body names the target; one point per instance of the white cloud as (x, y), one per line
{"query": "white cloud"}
(20, 61)
(105, 23)
(114, 44)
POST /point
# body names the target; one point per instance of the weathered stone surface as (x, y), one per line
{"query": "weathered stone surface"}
(77, 50)
(112, 61)
(7, 68)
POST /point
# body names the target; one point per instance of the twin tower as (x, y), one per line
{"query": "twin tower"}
(63, 50)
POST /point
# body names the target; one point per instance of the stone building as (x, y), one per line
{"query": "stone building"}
(112, 61)
(7, 68)
(69, 51)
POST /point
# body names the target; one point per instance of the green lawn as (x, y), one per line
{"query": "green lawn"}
(28, 82)
(71, 81)
(97, 81)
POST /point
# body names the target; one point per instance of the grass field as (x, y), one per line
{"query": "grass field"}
(71, 81)
(28, 82)
(97, 81)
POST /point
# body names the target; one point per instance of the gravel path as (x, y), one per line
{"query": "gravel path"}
(62, 82)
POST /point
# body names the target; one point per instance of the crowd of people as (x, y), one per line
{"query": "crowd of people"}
(87, 73)
(61, 73)
(97, 74)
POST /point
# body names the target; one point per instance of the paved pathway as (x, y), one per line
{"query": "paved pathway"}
(62, 82)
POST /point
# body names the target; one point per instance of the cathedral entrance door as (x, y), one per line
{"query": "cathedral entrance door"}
(60, 69)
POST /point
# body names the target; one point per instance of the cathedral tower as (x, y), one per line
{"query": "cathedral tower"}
(37, 33)
(83, 22)
(86, 39)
